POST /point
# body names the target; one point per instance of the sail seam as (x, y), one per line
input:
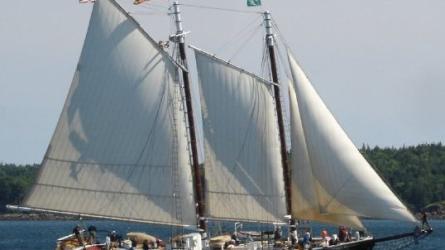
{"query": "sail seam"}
(243, 194)
(107, 164)
(104, 191)
(246, 220)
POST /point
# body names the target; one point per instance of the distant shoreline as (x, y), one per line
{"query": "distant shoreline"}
(49, 217)
(35, 217)
(432, 216)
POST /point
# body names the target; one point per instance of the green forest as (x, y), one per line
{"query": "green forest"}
(14, 182)
(415, 173)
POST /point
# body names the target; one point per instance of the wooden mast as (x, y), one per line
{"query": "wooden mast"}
(180, 39)
(273, 66)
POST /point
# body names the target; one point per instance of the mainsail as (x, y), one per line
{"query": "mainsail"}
(120, 147)
(343, 182)
(243, 165)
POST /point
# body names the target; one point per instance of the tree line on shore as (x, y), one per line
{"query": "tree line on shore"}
(415, 173)
(15, 180)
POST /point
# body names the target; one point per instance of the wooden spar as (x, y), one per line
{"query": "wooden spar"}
(273, 66)
(200, 207)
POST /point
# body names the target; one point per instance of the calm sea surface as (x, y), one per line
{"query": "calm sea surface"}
(43, 234)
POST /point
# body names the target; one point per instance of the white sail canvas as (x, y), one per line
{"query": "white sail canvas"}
(304, 198)
(345, 183)
(120, 147)
(243, 169)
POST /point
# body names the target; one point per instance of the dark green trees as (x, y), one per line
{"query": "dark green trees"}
(415, 173)
(14, 182)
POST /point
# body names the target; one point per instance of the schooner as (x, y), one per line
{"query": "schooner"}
(125, 146)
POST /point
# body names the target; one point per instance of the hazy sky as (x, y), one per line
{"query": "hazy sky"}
(378, 65)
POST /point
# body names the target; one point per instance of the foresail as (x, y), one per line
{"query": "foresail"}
(345, 183)
(120, 147)
(243, 170)
(304, 198)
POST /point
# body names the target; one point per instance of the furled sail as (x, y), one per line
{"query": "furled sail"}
(120, 147)
(345, 183)
(243, 169)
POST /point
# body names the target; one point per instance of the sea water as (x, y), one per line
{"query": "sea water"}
(15, 235)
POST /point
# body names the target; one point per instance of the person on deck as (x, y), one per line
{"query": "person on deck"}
(76, 231)
(325, 238)
(145, 245)
(343, 234)
(277, 236)
(277, 233)
(334, 241)
(425, 224)
(92, 232)
(115, 239)
(293, 236)
(307, 240)
(133, 245)
(108, 242)
(235, 239)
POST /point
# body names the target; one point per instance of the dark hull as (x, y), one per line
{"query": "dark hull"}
(365, 244)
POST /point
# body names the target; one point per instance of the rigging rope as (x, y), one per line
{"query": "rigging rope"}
(221, 9)
(282, 60)
(281, 55)
(265, 63)
(252, 34)
(150, 9)
(238, 35)
(150, 4)
(280, 34)
(147, 13)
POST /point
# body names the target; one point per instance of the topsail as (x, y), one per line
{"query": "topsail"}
(120, 147)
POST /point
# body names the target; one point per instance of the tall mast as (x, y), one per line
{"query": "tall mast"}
(180, 39)
(273, 66)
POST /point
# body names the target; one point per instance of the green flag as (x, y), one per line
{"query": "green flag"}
(253, 3)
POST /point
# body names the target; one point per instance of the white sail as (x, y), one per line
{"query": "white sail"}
(243, 170)
(304, 194)
(345, 183)
(120, 147)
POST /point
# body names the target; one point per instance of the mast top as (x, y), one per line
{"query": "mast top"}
(268, 25)
(178, 20)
